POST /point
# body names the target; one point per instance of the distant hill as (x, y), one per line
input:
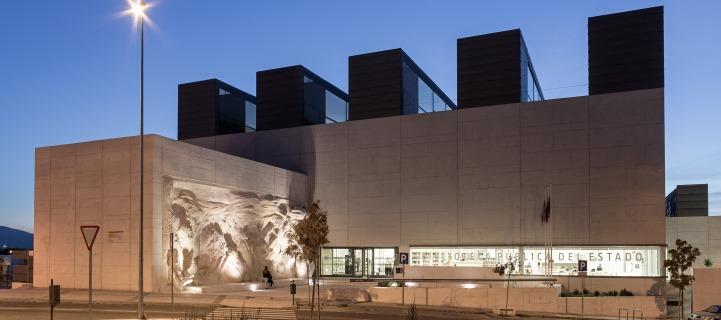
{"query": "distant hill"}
(14, 238)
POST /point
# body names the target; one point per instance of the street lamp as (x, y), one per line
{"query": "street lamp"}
(137, 9)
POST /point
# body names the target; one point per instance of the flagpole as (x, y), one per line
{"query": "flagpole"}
(545, 232)
(550, 223)
(548, 230)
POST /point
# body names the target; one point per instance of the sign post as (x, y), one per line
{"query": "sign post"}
(402, 260)
(172, 271)
(582, 269)
(90, 233)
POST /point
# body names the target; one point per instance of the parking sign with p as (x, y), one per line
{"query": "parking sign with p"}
(403, 258)
(582, 265)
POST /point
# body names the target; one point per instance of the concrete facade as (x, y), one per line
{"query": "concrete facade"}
(477, 176)
(700, 232)
(690, 200)
(469, 177)
(96, 183)
(640, 286)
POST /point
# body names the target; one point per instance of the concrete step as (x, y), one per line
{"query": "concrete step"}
(233, 313)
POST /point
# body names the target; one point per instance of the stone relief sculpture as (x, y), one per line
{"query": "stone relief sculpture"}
(224, 235)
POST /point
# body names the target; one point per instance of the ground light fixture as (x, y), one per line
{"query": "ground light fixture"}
(137, 9)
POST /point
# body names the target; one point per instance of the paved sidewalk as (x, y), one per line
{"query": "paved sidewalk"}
(454, 312)
(277, 298)
(273, 298)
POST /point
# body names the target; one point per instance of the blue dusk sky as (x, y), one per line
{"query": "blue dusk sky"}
(69, 69)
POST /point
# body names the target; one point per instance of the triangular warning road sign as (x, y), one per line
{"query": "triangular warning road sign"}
(89, 234)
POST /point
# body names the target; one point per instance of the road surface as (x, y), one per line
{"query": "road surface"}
(67, 311)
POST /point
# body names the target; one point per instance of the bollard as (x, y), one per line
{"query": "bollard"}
(292, 290)
(54, 296)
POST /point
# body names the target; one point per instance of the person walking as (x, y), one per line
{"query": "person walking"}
(267, 277)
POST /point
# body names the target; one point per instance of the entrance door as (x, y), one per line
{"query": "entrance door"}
(358, 262)
(368, 263)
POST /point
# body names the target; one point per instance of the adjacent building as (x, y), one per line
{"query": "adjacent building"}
(689, 200)
(399, 168)
(16, 266)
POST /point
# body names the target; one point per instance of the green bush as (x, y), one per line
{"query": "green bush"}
(611, 293)
(625, 293)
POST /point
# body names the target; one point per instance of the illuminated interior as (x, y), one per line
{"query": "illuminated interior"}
(619, 261)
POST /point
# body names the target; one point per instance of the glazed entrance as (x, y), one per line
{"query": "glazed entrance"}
(358, 262)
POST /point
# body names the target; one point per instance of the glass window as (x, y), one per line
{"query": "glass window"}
(250, 117)
(336, 109)
(602, 261)
(383, 262)
(439, 104)
(358, 262)
(326, 262)
(533, 91)
(321, 105)
(418, 95)
(425, 97)
(314, 100)
(336, 262)
(529, 84)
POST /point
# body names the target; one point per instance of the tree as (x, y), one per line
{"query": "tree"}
(680, 260)
(306, 239)
(507, 269)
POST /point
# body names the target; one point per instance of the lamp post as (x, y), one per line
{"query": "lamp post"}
(137, 9)
(141, 311)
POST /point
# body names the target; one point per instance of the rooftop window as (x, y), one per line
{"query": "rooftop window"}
(419, 96)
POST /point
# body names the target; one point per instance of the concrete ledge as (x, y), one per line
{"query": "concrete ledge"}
(22, 285)
(347, 294)
(650, 306)
(542, 300)
(242, 286)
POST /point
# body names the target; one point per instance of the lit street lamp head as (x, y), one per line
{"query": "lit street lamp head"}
(137, 9)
